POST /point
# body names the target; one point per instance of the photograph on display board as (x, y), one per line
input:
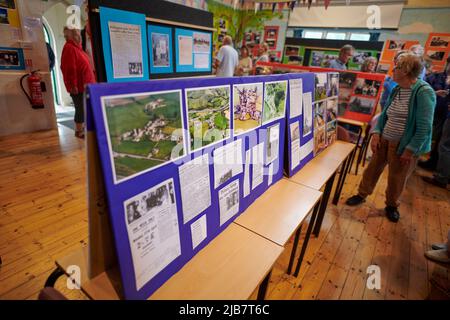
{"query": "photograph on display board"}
(320, 139)
(291, 50)
(126, 50)
(362, 105)
(439, 42)
(366, 87)
(208, 115)
(272, 144)
(161, 52)
(202, 42)
(9, 58)
(153, 234)
(358, 59)
(322, 58)
(10, 4)
(307, 113)
(247, 100)
(396, 44)
(383, 68)
(295, 131)
(331, 132)
(333, 84)
(144, 131)
(345, 94)
(342, 108)
(436, 56)
(274, 100)
(347, 80)
(321, 86)
(4, 16)
(319, 114)
(332, 109)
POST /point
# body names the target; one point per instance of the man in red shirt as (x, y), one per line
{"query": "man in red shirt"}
(77, 73)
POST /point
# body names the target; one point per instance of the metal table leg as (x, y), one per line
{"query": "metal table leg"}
(342, 175)
(294, 249)
(323, 204)
(307, 236)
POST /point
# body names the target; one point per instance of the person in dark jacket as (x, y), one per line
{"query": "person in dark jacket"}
(77, 73)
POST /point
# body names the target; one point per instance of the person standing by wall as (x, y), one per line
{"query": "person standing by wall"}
(227, 59)
(263, 53)
(402, 134)
(245, 64)
(345, 53)
(77, 73)
(369, 64)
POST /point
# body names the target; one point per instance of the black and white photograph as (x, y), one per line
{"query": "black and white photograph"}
(333, 84)
(9, 4)
(396, 45)
(295, 132)
(222, 24)
(160, 47)
(9, 58)
(232, 199)
(133, 211)
(362, 105)
(439, 41)
(436, 55)
(4, 16)
(383, 68)
(360, 56)
(367, 87)
(347, 79)
(135, 68)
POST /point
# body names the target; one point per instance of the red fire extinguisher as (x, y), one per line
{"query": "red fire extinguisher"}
(35, 86)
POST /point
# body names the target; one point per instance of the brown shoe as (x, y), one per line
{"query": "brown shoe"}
(440, 256)
(79, 134)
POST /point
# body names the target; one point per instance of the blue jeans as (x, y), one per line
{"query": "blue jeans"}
(442, 173)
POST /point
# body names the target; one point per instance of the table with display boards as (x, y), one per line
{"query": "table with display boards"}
(152, 212)
(320, 172)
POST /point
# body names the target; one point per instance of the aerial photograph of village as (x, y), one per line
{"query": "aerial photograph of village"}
(208, 115)
(274, 100)
(143, 130)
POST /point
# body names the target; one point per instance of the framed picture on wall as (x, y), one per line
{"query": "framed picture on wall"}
(271, 36)
(160, 48)
(11, 59)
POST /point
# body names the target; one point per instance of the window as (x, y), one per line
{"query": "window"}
(313, 34)
(360, 36)
(336, 35)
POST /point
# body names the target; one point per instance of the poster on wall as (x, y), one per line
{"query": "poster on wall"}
(391, 47)
(126, 50)
(193, 50)
(11, 59)
(124, 45)
(160, 48)
(437, 48)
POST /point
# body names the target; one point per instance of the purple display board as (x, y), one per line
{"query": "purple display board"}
(158, 200)
(300, 125)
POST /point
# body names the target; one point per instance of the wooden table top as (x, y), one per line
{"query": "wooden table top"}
(279, 211)
(317, 172)
(230, 267)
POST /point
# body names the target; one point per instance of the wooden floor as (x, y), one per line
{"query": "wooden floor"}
(43, 216)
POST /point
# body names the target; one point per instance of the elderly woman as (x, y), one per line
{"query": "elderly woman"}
(402, 134)
(264, 53)
(369, 64)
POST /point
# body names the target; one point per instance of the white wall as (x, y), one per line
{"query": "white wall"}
(17, 116)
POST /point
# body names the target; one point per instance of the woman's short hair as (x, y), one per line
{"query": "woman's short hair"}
(365, 64)
(410, 64)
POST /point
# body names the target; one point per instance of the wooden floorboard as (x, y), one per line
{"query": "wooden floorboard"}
(43, 216)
